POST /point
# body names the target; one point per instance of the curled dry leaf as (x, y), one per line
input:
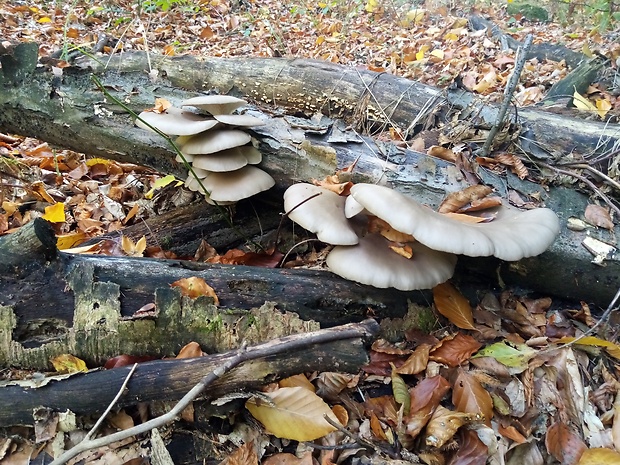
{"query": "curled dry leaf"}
(457, 200)
(67, 363)
(443, 425)
(468, 395)
(441, 152)
(598, 216)
(377, 225)
(195, 287)
(297, 380)
(244, 455)
(453, 305)
(514, 163)
(472, 450)
(417, 361)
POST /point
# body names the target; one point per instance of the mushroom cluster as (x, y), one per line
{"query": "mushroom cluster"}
(212, 140)
(416, 248)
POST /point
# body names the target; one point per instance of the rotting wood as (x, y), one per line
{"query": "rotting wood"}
(70, 112)
(87, 306)
(169, 380)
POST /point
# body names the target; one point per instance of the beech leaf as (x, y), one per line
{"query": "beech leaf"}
(55, 213)
(453, 305)
(296, 414)
(515, 356)
(565, 445)
(468, 395)
(599, 456)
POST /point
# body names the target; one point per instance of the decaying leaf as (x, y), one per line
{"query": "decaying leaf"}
(67, 363)
(299, 380)
(190, 350)
(598, 216)
(514, 356)
(453, 305)
(455, 349)
(133, 249)
(244, 455)
(599, 456)
(296, 414)
(417, 361)
(195, 287)
(514, 163)
(457, 200)
(377, 225)
(443, 425)
(468, 395)
(441, 152)
(425, 398)
(565, 445)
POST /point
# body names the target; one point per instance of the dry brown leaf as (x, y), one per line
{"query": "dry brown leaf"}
(599, 216)
(341, 413)
(425, 398)
(457, 200)
(600, 456)
(417, 361)
(454, 350)
(244, 455)
(377, 225)
(514, 163)
(565, 445)
(133, 249)
(453, 305)
(467, 218)
(194, 287)
(386, 347)
(376, 427)
(469, 396)
(443, 425)
(471, 451)
(481, 204)
(297, 380)
(190, 350)
(285, 458)
(441, 152)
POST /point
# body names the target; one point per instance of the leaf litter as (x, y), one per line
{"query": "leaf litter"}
(502, 366)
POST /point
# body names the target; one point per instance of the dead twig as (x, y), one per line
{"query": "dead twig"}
(366, 329)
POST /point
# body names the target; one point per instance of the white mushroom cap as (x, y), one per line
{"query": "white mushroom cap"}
(214, 141)
(176, 122)
(192, 184)
(252, 154)
(511, 236)
(226, 160)
(247, 121)
(352, 207)
(236, 185)
(322, 215)
(373, 262)
(215, 104)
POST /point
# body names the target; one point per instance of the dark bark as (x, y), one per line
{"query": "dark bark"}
(337, 349)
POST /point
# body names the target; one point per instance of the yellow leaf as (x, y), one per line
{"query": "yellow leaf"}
(70, 240)
(371, 6)
(295, 413)
(400, 390)
(55, 213)
(416, 15)
(320, 40)
(451, 36)
(420, 54)
(611, 348)
(195, 287)
(297, 381)
(98, 161)
(438, 53)
(603, 106)
(44, 20)
(599, 456)
(451, 304)
(582, 103)
(131, 249)
(162, 182)
(67, 363)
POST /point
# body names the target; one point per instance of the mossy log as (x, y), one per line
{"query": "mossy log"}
(70, 111)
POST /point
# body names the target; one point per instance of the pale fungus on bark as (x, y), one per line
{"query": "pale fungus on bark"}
(214, 141)
(511, 236)
(320, 211)
(233, 186)
(372, 262)
(175, 122)
(215, 104)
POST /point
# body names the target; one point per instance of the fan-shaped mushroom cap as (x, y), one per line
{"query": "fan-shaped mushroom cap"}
(188, 158)
(373, 262)
(236, 185)
(322, 214)
(226, 160)
(176, 122)
(215, 104)
(215, 141)
(247, 121)
(352, 207)
(252, 154)
(511, 236)
(192, 184)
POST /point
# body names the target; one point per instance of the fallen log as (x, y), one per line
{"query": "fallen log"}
(71, 112)
(341, 349)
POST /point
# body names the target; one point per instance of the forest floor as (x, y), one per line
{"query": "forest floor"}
(501, 390)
